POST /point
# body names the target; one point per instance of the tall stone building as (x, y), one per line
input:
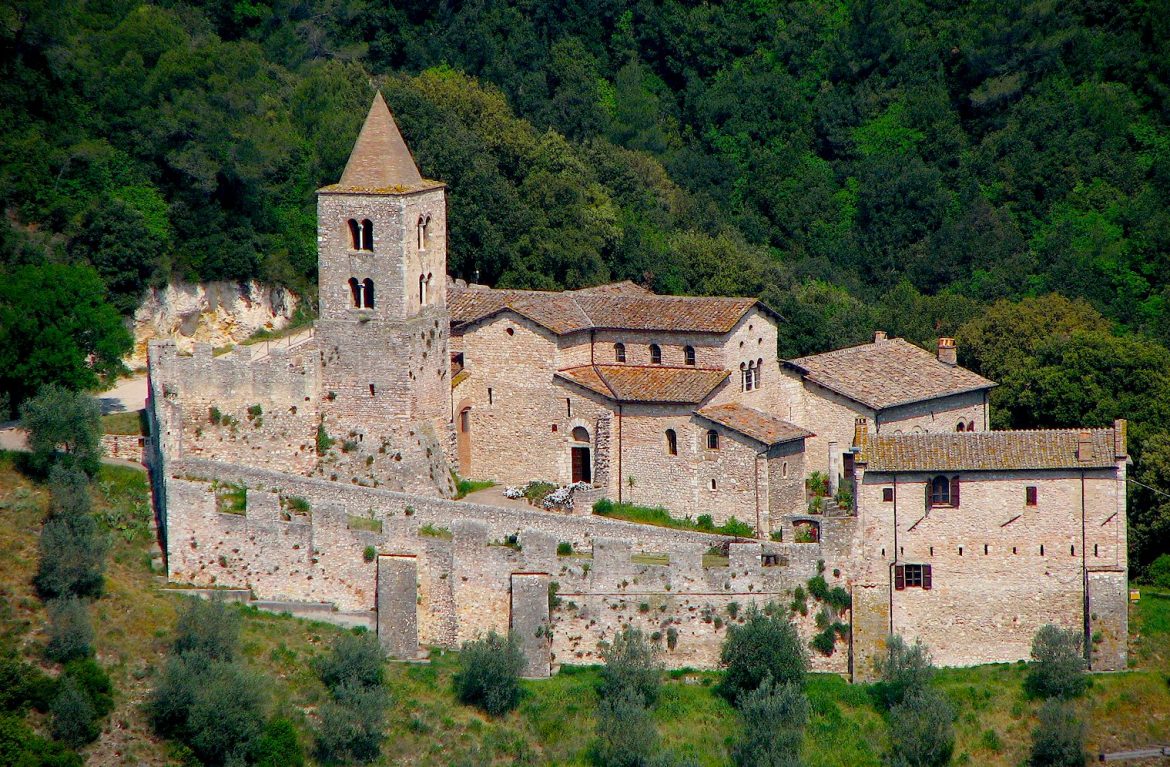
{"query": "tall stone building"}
(345, 442)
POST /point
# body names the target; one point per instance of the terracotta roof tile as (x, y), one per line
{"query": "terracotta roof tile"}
(887, 373)
(753, 423)
(621, 306)
(653, 383)
(380, 162)
(995, 450)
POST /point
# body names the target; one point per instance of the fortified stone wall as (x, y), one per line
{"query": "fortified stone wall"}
(304, 539)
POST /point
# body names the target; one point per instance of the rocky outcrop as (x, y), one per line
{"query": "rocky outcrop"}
(218, 313)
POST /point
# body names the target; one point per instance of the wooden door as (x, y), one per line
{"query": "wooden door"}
(582, 471)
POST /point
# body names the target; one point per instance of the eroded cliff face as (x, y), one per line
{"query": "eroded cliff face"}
(218, 313)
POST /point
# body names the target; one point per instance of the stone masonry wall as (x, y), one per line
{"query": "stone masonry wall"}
(465, 574)
(1001, 569)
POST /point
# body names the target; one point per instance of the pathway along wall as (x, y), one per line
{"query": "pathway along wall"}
(302, 539)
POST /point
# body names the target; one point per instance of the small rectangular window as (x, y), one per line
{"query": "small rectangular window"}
(489, 395)
(1030, 495)
(912, 577)
(887, 495)
(569, 407)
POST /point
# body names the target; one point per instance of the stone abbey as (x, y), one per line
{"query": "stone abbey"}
(323, 471)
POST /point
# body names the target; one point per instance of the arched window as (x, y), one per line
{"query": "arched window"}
(619, 352)
(940, 491)
(655, 354)
(355, 235)
(367, 235)
(689, 355)
(424, 224)
(355, 288)
(422, 290)
(961, 427)
(671, 442)
(580, 434)
(970, 426)
(368, 293)
(712, 439)
(749, 376)
(759, 372)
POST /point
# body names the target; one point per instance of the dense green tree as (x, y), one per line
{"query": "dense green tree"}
(64, 428)
(489, 673)
(626, 736)
(774, 718)
(70, 632)
(904, 670)
(1059, 738)
(631, 664)
(72, 549)
(1058, 664)
(56, 327)
(763, 647)
(922, 730)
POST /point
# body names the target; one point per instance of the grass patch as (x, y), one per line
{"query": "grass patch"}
(648, 558)
(431, 531)
(131, 423)
(660, 517)
(465, 487)
(230, 497)
(716, 560)
(369, 524)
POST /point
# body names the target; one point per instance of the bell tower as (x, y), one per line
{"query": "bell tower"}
(384, 326)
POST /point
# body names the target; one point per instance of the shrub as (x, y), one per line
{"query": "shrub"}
(65, 428)
(564, 549)
(489, 674)
(254, 412)
(1059, 740)
(903, 670)
(70, 632)
(324, 441)
(738, 529)
(764, 646)
(774, 718)
(23, 684)
(369, 554)
(72, 555)
(631, 665)
(705, 523)
(1058, 665)
(207, 629)
(96, 683)
(354, 661)
(214, 416)
(603, 507)
(214, 707)
(74, 717)
(297, 505)
(625, 732)
(278, 746)
(817, 484)
(1159, 571)
(671, 638)
(352, 726)
(922, 731)
(537, 491)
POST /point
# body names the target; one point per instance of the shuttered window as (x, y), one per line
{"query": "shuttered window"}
(913, 577)
(942, 491)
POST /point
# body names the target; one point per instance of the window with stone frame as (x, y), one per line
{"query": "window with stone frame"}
(655, 354)
(712, 439)
(671, 442)
(1030, 495)
(355, 288)
(887, 495)
(913, 577)
(367, 293)
(619, 352)
(689, 355)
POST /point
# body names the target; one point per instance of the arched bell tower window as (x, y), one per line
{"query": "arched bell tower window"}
(355, 235)
(361, 236)
(355, 288)
(368, 293)
(367, 235)
(424, 233)
(422, 290)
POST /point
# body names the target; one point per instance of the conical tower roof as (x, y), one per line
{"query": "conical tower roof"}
(380, 161)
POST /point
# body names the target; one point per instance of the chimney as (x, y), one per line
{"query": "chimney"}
(947, 352)
(1120, 449)
(879, 336)
(1084, 447)
(860, 431)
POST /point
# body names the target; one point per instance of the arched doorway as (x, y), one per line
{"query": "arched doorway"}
(581, 460)
(463, 439)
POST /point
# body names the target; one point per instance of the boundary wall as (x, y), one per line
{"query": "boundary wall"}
(468, 568)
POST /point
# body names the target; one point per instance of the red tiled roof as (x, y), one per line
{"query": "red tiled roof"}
(653, 383)
(995, 450)
(887, 373)
(621, 306)
(753, 423)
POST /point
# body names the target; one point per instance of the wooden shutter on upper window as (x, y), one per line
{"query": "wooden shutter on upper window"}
(954, 491)
(926, 577)
(899, 577)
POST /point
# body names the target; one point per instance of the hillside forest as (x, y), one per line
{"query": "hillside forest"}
(995, 171)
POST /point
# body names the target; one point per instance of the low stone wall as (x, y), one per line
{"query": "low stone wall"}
(128, 447)
(465, 565)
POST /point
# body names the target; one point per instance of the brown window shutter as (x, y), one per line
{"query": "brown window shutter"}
(926, 577)
(954, 491)
(929, 490)
(899, 577)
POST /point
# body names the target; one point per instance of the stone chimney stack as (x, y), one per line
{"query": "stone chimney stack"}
(1084, 446)
(879, 336)
(860, 431)
(947, 351)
